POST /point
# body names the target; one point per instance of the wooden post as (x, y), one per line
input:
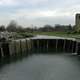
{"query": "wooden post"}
(37, 45)
(69, 49)
(44, 46)
(26, 47)
(31, 46)
(20, 47)
(76, 47)
(2, 52)
(47, 45)
(56, 44)
(73, 47)
(64, 45)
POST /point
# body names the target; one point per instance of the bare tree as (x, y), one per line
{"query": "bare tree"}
(12, 27)
(2, 28)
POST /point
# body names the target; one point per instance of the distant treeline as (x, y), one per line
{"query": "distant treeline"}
(14, 27)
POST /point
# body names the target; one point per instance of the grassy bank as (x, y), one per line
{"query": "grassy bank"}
(60, 34)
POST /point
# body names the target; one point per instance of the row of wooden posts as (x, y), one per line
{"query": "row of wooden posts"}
(30, 46)
(56, 46)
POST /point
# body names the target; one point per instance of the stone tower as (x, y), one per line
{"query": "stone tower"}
(77, 22)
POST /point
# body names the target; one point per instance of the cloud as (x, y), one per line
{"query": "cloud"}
(41, 17)
(33, 13)
(8, 2)
(34, 2)
(39, 12)
(44, 13)
(21, 2)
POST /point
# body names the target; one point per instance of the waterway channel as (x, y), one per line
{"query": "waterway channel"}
(43, 67)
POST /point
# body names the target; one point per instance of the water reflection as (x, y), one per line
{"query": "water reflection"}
(43, 67)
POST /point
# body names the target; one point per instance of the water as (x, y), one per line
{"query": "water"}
(43, 67)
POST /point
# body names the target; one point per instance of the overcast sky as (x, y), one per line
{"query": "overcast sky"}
(39, 12)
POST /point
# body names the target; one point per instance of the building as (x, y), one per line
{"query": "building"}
(77, 22)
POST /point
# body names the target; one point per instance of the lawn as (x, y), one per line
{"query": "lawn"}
(60, 34)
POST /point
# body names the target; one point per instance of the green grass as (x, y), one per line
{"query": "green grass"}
(60, 34)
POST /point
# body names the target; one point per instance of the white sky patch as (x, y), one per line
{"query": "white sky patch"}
(21, 2)
(38, 17)
(34, 14)
(8, 2)
(39, 11)
(34, 2)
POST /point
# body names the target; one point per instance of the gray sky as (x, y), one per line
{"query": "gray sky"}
(39, 12)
